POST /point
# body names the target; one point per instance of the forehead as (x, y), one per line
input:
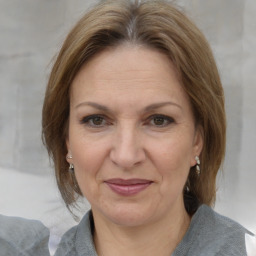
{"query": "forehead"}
(128, 71)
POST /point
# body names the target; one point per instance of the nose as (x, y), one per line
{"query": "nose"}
(127, 148)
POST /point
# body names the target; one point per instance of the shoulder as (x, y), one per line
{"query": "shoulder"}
(67, 243)
(213, 234)
(19, 236)
(220, 223)
(78, 240)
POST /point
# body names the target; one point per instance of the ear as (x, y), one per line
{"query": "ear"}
(197, 144)
(69, 160)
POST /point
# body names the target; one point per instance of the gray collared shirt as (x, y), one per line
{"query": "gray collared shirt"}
(209, 234)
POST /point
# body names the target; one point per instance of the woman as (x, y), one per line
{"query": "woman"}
(134, 120)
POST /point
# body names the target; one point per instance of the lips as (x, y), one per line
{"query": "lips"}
(128, 187)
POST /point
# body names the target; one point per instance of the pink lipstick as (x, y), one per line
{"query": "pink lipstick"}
(128, 187)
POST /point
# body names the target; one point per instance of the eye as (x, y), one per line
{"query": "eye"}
(94, 121)
(160, 120)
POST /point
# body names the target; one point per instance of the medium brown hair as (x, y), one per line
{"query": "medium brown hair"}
(155, 24)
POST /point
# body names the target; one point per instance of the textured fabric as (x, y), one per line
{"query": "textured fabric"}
(78, 240)
(209, 234)
(21, 237)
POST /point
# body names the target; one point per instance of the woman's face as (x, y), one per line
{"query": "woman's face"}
(132, 135)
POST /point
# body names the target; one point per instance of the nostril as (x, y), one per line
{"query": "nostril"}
(127, 159)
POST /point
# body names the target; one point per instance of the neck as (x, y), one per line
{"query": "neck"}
(157, 238)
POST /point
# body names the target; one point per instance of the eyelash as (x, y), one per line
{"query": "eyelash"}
(88, 120)
(167, 119)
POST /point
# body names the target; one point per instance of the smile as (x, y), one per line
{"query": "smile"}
(128, 187)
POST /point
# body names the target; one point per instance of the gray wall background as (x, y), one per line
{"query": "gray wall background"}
(31, 32)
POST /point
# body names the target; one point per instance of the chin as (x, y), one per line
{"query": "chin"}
(128, 216)
(129, 219)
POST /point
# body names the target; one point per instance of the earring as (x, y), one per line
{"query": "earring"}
(69, 157)
(198, 171)
(187, 186)
(71, 168)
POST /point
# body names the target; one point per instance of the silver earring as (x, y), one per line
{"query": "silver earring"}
(69, 157)
(71, 168)
(198, 171)
(187, 186)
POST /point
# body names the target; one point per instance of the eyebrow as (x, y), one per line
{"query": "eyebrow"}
(161, 104)
(93, 104)
(146, 109)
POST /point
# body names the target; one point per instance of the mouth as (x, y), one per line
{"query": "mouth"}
(128, 187)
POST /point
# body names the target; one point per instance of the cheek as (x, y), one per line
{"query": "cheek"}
(88, 157)
(175, 153)
(174, 172)
(172, 159)
(86, 150)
